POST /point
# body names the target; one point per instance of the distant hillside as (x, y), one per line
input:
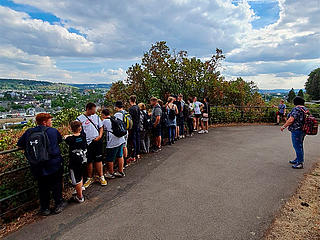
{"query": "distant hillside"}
(282, 91)
(91, 86)
(18, 84)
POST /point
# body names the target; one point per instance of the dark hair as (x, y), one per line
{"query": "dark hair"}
(119, 104)
(105, 112)
(75, 125)
(207, 99)
(42, 117)
(298, 101)
(133, 98)
(90, 105)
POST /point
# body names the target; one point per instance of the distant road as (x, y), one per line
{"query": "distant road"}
(228, 184)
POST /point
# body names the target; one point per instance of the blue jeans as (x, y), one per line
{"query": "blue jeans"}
(297, 142)
(172, 133)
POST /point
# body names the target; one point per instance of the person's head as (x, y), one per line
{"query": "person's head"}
(298, 101)
(44, 119)
(118, 106)
(142, 106)
(76, 126)
(282, 101)
(170, 99)
(153, 101)
(174, 97)
(105, 113)
(180, 97)
(91, 109)
(206, 99)
(194, 99)
(160, 102)
(133, 100)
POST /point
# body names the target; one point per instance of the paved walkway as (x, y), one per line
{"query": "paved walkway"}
(224, 185)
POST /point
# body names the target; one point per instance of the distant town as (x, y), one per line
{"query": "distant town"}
(21, 100)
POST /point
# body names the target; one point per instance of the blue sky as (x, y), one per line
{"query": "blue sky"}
(271, 42)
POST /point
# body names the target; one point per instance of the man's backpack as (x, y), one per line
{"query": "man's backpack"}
(37, 147)
(127, 119)
(118, 127)
(310, 126)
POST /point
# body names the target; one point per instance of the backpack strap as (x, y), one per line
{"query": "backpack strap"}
(93, 123)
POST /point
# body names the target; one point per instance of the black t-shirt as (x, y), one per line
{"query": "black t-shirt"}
(206, 108)
(77, 149)
(135, 114)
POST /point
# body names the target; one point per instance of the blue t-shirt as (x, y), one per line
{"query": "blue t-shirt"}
(56, 161)
(299, 118)
(281, 108)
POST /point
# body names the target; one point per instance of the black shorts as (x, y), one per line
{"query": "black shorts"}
(76, 175)
(95, 151)
(156, 131)
(198, 115)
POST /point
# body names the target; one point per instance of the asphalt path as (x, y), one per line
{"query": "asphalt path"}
(227, 184)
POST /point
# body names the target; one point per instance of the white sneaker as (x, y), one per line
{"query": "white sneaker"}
(109, 176)
(75, 192)
(206, 131)
(201, 131)
(119, 174)
(78, 200)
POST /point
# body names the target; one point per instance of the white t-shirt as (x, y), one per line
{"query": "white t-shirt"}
(112, 140)
(196, 107)
(90, 130)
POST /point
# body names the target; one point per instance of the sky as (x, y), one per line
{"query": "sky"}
(274, 43)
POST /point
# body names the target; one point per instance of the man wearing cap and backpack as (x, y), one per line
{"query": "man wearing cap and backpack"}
(41, 145)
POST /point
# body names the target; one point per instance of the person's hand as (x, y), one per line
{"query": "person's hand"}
(67, 136)
(97, 139)
(282, 128)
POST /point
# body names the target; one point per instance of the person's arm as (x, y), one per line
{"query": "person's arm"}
(22, 141)
(100, 134)
(288, 123)
(157, 121)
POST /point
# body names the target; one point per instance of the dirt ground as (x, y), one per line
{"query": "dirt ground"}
(299, 219)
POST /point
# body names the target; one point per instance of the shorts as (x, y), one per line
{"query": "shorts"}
(95, 152)
(156, 131)
(114, 153)
(76, 175)
(280, 114)
(198, 115)
(205, 119)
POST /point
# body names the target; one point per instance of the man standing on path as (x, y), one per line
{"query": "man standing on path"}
(134, 134)
(49, 172)
(92, 127)
(156, 126)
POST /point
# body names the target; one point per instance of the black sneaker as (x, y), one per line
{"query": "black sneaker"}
(45, 212)
(119, 174)
(59, 208)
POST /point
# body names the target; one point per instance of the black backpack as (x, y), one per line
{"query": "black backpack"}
(118, 127)
(37, 147)
(172, 114)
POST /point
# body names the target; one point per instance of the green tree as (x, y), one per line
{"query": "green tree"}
(313, 84)
(291, 95)
(300, 93)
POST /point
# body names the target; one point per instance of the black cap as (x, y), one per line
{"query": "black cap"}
(298, 101)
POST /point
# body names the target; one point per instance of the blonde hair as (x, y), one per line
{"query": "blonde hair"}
(142, 106)
(170, 99)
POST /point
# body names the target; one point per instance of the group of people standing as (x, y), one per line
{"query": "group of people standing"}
(126, 135)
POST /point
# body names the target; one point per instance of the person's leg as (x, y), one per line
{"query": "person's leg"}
(44, 193)
(207, 125)
(181, 127)
(297, 141)
(99, 168)
(56, 181)
(278, 118)
(110, 167)
(137, 143)
(173, 132)
(78, 188)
